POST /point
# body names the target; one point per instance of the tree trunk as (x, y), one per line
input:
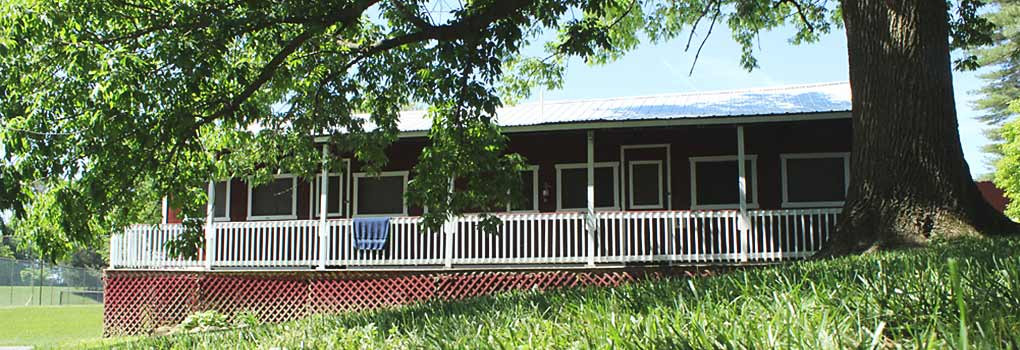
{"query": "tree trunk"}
(908, 179)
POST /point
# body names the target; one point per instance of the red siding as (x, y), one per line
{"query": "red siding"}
(995, 196)
(546, 149)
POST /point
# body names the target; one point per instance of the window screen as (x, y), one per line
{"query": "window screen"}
(273, 198)
(333, 197)
(220, 199)
(716, 182)
(574, 182)
(815, 180)
(646, 184)
(381, 195)
(527, 191)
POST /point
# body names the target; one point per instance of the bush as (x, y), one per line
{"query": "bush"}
(204, 321)
(1007, 168)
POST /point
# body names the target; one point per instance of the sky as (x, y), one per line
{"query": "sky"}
(663, 68)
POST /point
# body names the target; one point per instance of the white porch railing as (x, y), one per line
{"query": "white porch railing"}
(681, 237)
(144, 246)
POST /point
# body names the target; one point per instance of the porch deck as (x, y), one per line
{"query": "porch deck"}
(677, 237)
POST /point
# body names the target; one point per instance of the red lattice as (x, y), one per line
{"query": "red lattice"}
(139, 302)
(145, 301)
(271, 297)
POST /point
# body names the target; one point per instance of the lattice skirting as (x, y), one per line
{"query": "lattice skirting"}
(138, 302)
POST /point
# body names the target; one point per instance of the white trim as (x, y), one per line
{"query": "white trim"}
(358, 176)
(345, 176)
(821, 204)
(694, 181)
(630, 182)
(591, 125)
(669, 166)
(226, 209)
(559, 184)
(293, 201)
(534, 192)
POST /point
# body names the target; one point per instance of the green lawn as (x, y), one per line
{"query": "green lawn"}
(50, 326)
(27, 296)
(901, 299)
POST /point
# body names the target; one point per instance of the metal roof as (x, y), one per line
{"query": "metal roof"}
(772, 101)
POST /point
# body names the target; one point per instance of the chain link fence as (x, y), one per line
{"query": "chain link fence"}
(33, 283)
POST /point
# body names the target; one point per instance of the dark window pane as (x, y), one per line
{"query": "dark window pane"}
(382, 195)
(273, 198)
(527, 191)
(333, 199)
(604, 187)
(717, 182)
(647, 180)
(575, 183)
(220, 199)
(573, 194)
(815, 180)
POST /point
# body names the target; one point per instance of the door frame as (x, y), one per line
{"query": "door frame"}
(625, 175)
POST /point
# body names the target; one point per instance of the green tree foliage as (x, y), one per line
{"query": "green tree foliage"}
(107, 106)
(1002, 80)
(1000, 97)
(1007, 168)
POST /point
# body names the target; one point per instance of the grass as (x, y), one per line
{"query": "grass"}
(898, 299)
(50, 326)
(27, 296)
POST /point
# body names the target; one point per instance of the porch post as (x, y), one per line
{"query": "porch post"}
(210, 216)
(323, 203)
(448, 233)
(590, 216)
(166, 208)
(742, 190)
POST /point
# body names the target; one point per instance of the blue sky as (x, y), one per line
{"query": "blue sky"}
(663, 68)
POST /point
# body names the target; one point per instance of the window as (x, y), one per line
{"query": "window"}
(380, 195)
(572, 184)
(645, 182)
(221, 201)
(529, 190)
(714, 182)
(815, 179)
(276, 199)
(336, 198)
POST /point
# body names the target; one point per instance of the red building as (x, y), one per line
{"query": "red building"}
(667, 181)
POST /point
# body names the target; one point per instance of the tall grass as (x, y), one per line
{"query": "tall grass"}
(907, 298)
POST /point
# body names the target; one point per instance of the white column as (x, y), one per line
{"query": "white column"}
(742, 190)
(210, 233)
(166, 213)
(323, 207)
(590, 217)
(449, 230)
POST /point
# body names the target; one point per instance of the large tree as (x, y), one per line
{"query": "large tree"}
(108, 105)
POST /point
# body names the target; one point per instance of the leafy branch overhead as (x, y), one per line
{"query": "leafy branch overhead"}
(107, 106)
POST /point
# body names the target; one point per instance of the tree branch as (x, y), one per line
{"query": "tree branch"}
(703, 41)
(346, 17)
(458, 30)
(419, 22)
(800, 12)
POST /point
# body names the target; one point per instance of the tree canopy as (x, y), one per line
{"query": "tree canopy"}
(107, 106)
